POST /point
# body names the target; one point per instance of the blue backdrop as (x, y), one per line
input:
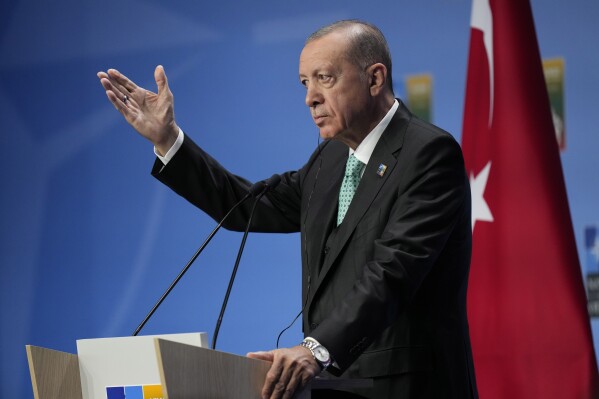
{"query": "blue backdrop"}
(89, 239)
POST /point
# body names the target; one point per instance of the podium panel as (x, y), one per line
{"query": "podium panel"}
(192, 372)
(159, 366)
(123, 363)
(54, 374)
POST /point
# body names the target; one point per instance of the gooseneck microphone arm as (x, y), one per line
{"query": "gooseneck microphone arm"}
(233, 274)
(269, 185)
(256, 189)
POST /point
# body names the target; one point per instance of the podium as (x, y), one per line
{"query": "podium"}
(185, 372)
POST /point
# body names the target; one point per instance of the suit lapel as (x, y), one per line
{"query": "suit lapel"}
(322, 212)
(385, 153)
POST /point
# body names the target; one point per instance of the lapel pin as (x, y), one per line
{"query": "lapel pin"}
(381, 170)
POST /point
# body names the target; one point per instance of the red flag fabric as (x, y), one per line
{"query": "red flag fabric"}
(529, 325)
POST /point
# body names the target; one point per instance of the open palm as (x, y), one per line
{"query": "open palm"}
(151, 114)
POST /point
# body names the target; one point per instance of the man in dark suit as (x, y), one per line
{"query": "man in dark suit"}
(383, 206)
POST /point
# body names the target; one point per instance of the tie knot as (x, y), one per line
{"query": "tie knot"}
(353, 167)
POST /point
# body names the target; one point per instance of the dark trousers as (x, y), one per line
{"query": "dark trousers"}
(331, 394)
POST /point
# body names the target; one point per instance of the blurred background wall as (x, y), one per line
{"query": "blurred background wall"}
(89, 240)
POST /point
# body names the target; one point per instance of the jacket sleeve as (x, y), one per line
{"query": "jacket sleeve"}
(196, 176)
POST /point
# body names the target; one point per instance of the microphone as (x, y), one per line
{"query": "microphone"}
(269, 184)
(257, 189)
(264, 186)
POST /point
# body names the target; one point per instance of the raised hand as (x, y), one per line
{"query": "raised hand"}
(151, 114)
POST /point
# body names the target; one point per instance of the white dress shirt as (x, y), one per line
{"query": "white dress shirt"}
(364, 150)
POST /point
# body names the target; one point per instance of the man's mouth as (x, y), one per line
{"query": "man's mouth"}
(318, 118)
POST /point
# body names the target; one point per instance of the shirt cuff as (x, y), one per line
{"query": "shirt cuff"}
(173, 150)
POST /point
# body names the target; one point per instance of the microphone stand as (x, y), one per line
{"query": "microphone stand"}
(257, 189)
(234, 273)
(188, 265)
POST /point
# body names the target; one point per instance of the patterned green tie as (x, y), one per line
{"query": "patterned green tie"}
(349, 185)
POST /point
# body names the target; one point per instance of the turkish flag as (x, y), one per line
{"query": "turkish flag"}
(529, 325)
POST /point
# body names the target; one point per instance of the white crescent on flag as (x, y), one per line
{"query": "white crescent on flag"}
(482, 19)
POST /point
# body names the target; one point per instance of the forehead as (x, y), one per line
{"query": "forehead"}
(327, 51)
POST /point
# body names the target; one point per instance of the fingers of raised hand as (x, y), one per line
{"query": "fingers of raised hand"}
(118, 99)
(119, 88)
(122, 82)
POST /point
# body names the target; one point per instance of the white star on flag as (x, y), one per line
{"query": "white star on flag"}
(480, 208)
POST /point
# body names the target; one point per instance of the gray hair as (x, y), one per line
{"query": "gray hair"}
(367, 44)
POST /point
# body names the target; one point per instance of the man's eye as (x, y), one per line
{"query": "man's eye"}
(324, 78)
(304, 82)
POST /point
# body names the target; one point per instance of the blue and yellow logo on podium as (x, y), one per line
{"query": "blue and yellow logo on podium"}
(135, 392)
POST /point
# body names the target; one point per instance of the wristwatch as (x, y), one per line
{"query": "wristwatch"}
(319, 352)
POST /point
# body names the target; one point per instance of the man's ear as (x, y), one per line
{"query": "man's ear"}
(377, 75)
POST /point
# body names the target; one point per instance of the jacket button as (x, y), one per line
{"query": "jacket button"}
(326, 250)
(313, 326)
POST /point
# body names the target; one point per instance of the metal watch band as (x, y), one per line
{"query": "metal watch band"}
(311, 344)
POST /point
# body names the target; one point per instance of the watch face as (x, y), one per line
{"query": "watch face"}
(321, 354)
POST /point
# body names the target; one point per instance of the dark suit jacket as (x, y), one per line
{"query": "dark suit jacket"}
(385, 291)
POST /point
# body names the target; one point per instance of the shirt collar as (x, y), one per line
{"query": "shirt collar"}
(364, 150)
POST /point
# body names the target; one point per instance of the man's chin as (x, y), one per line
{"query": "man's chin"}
(326, 134)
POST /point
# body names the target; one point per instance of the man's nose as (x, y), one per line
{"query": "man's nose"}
(313, 96)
